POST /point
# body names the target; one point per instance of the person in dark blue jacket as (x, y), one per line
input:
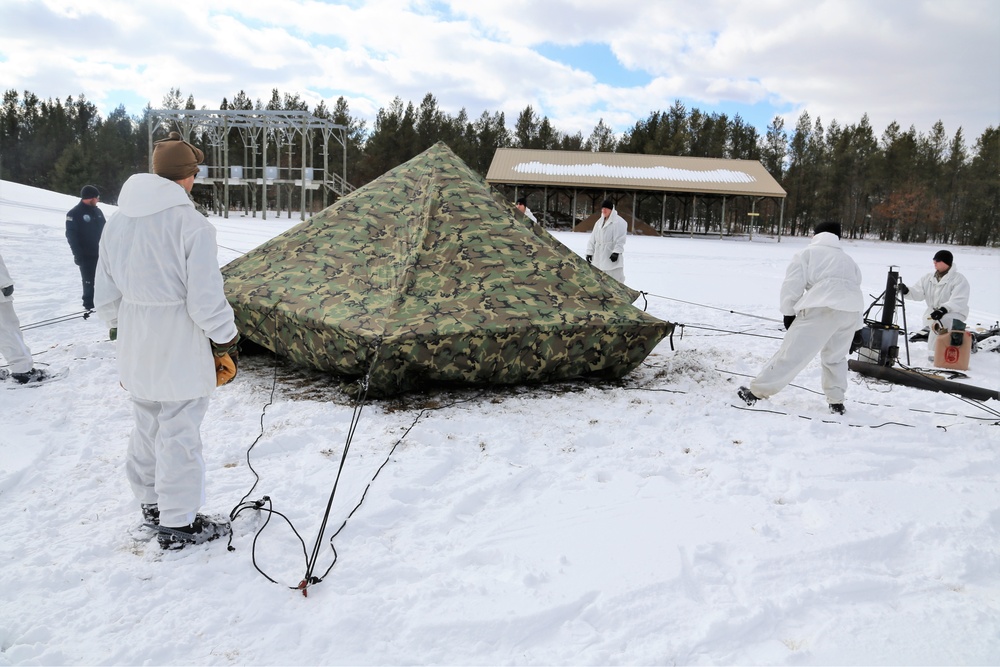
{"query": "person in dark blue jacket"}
(84, 224)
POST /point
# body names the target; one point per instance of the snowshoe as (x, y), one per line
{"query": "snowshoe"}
(202, 529)
(837, 408)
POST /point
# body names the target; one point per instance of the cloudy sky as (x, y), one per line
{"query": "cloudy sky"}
(575, 61)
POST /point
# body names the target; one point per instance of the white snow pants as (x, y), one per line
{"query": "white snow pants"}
(824, 330)
(12, 345)
(164, 463)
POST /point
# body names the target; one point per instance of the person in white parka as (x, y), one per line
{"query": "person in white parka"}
(159, 287)
(821, 302)
(946, 292)
(606, 246)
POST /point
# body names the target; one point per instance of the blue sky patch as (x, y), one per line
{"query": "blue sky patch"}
(134, 104)
(598, 60)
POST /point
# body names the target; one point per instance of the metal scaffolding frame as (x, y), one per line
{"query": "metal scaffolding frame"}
(258, 130)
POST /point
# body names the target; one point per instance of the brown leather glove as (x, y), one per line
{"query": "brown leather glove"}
(226, 356)
(225, 369)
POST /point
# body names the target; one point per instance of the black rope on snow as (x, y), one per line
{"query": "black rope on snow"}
(777, 412)
(813, 391)
(270, 400)
(259, 505)
(265, 503)
(309, 579)
(243, 505)
(824, 421)
(969, 401)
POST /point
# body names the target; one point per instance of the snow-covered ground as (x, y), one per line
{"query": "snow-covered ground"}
(651, 521)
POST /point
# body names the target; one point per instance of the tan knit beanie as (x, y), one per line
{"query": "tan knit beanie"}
(175, 159)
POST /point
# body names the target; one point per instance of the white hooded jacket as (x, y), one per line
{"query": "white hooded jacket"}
(822, 276)
(608, 238)
(951, 291)
(158, 282)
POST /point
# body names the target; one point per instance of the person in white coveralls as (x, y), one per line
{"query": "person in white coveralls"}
(821, 302)
(606, 247)
(159, 288)
(946, 292)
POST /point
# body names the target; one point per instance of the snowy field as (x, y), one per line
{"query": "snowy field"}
(648, 521)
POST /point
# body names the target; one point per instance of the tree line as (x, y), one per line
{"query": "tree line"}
(901, 185)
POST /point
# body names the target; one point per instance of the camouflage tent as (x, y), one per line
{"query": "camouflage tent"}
(426, 276)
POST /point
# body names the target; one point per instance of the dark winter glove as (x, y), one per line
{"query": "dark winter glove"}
(219, 349)
(113, 333)
(902, 289)
(76, 260)
(938, 313)
(8, 290)
(857, 342)
(788, 319)
(614, 257)
(589, 258)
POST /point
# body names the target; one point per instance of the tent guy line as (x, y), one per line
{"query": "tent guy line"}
(265, 503)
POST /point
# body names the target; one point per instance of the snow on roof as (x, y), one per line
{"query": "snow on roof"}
(596, 169)
(522, 167)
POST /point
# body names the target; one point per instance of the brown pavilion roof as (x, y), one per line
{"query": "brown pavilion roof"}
(632, 171)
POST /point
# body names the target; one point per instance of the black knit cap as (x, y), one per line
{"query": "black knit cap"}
(607, 203)
(944, 256)
(89, 192)
(522, 201)
(828, 226)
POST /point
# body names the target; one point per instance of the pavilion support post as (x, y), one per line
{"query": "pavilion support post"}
(694, 214)
(723, 221)
(781, 219)
(263, 180)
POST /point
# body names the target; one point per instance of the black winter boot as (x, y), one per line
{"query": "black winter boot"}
(151, 514)
(34, 375)
(747, 396)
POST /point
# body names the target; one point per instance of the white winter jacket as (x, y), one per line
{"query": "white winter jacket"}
(158, 281)
(952, 292)
(5, 280)
(822, 275)
(607, 238)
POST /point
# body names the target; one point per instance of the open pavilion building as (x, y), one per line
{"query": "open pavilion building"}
(686, 195)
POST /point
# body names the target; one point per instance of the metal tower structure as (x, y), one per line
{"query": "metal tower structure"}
(273, 136)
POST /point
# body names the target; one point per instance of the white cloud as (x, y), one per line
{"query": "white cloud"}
(913, 62)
